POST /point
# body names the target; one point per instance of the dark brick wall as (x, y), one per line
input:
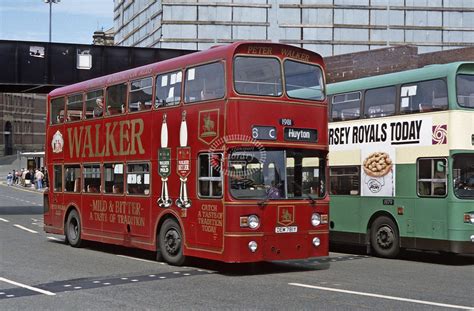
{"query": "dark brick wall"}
(392, 59)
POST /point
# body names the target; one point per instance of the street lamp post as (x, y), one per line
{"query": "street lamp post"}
(50, 2)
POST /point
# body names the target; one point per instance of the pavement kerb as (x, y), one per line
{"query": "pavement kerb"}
(22, 188)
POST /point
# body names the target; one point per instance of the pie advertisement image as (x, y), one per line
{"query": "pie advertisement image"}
(377, 164)
(378, 172)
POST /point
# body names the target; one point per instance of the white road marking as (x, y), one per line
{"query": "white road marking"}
(26, 229)
(134, 258)
(383, 296)
(42, 291)
(4, 220)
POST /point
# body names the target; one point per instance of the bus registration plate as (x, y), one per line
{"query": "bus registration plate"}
(290, 229)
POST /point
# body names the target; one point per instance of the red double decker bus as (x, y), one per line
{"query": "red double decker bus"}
(219, 154)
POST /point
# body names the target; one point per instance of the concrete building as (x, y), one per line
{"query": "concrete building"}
(101, 37)
(330, 27)
(22, 117)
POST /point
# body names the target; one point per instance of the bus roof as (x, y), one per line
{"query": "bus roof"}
(214, 53)
(426, 73)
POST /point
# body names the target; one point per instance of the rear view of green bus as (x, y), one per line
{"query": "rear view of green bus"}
(402, 160)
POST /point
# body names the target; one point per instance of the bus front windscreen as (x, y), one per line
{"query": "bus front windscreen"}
(257, 76)
(463, 174)
(277, 174)
(465, 90)
(303, 81)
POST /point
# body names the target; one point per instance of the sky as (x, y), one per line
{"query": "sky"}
(73, 21)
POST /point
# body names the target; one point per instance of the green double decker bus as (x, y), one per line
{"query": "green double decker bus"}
(402, 160)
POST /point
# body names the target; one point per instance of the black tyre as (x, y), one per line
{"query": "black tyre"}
(171, 243)
(73, 229)
(384, 237)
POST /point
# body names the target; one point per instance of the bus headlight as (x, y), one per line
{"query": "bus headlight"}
(253, 246)
(253, 221)
(316, 241)
(315, 219)
(469, 218)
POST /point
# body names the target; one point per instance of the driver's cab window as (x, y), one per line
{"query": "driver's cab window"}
(431, 174)
(210, 175)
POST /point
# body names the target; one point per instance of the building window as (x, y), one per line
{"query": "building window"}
(345, 106)
(58, 178)
(344, 180)
(92, 179)
(140, 94)
(72, 178)
(380, 102)
(168, 89)
(138, 179)
(94, 104)
(424, 96)
(431, 175)
(210, 175)
(204, 82)
(116, 99)
(113, 178)
(56, 109)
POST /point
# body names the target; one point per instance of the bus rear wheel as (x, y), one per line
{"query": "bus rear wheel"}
(171, 243)
(384, 237)
(73, 229)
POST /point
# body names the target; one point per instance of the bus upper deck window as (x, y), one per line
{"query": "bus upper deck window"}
(116, 99)
(94, 106)
(424, 96)
(345, 106)
(168, 89)
(57, 110)
(204, 82)
(74, 107)
(379, 102)
(140, 94)
(465, 90)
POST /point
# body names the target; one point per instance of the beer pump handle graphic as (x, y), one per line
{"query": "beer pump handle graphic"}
(183, 200)
(164, 133)
(164, 201)
(183, 131)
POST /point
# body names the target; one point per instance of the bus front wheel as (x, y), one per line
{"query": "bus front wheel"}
(384, 237)
(73, 229)
(171, 243)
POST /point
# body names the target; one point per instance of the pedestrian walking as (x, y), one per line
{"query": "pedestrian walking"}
(27, 180)
(32, 178)
(39, 179)
(9, 179)
(23, 177)
(18, 177)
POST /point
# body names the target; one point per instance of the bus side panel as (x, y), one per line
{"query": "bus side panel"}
(345, 219)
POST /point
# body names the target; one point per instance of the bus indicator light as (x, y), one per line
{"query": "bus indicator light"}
(469, 218)
(400, 210)
(253, 246)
